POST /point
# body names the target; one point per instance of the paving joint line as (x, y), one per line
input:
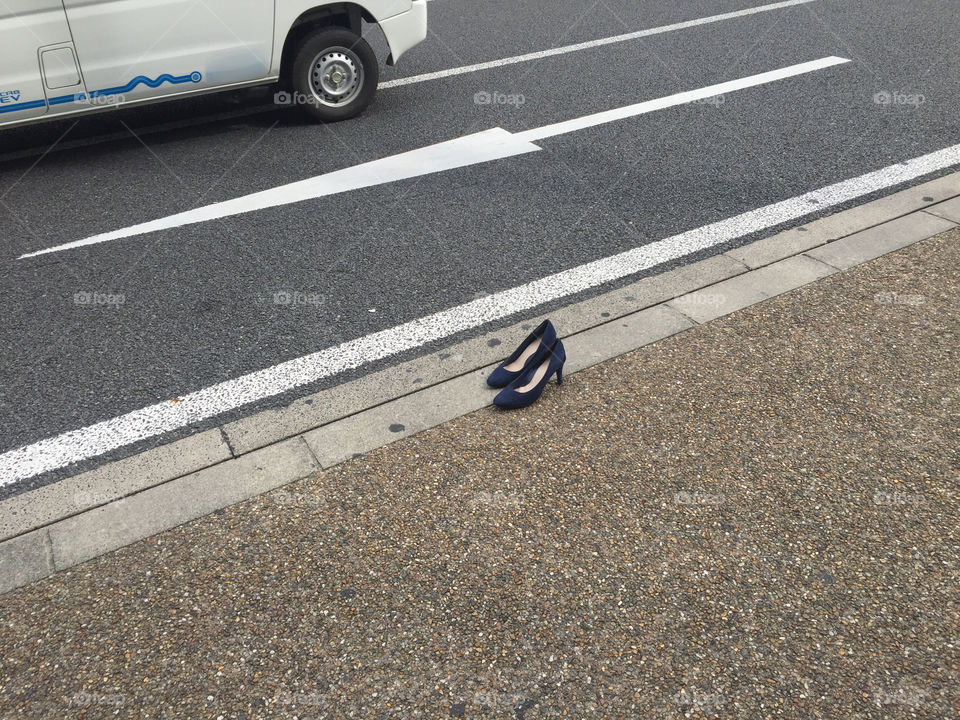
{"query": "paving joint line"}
(806, 254)
(696, 323)
(227, 442)
(48, 550)
(891, 219)
(303, 441)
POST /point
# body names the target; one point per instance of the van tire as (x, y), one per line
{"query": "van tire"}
(334, 66)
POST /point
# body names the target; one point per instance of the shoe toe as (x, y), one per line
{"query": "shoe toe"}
(499, 378)
(506, 398)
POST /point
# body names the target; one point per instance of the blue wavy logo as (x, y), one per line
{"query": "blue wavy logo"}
(193, 77)
(9, 95)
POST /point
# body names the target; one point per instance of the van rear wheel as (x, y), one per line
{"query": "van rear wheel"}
(335, 74)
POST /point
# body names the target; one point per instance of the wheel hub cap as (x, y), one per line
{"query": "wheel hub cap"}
(336, 76)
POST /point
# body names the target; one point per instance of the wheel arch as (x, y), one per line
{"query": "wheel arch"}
(342, 14)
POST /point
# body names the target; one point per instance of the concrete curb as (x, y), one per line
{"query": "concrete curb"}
(66, 523)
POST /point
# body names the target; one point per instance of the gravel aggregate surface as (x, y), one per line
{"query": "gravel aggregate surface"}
(754, 519)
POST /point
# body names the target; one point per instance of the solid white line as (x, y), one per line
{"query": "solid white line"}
(94, 440)
(592, 43)
(486, 146)
(679, 99)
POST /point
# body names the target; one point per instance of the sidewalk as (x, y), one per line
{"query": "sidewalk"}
(755, 518)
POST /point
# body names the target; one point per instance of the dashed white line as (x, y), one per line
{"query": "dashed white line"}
(94, 440)
(563, 50)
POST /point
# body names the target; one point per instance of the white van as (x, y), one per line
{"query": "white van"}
(64, 57)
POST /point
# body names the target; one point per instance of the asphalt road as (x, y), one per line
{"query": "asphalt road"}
(199, 300)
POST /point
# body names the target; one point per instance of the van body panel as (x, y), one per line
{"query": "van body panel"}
(59, 66)
(289, 11)
(25, 27)
(405, 30)
(61, 78)
(140, 48)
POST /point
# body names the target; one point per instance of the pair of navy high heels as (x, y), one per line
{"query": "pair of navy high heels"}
(525, 374)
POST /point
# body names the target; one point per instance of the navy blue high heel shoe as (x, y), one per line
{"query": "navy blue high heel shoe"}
(528, 388)
(522, 359)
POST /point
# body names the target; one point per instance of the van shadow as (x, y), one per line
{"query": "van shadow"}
(203, 116)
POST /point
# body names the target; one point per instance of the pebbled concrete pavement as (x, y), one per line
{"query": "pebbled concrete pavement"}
(756, 518)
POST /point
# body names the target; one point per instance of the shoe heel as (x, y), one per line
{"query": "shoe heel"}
(560, 375)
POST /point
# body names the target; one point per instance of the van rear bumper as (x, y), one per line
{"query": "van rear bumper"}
(405, 30)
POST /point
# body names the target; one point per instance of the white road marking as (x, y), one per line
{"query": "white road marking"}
(95, 440)
(679, 99)
(592, 43)
(485, 146)
(493, 144)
